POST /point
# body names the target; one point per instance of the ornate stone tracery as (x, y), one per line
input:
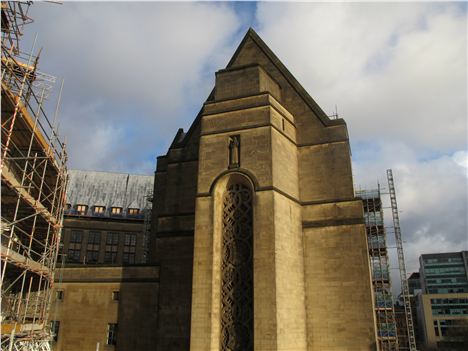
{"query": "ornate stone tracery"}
(237, 270)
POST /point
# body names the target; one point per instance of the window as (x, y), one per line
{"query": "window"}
(112, 245)
(129, 249)
(116, 211)
(94, 244)
(237, 268)
(133, 211)
(74, 247)
(54, 328)
(59, 295)
(81, 209)
(99, 210)
(111, 334)
(115, 295)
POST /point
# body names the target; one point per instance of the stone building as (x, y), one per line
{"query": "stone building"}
(106, 295)
(104, 220)
(258, 235)
(258, 241)
(105, 308)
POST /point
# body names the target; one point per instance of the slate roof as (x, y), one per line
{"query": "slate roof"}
(108, 189)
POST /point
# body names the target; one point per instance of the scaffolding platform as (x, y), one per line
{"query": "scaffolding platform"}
(33, 180)
(378, 256)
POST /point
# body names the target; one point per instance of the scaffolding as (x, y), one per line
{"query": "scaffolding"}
(405, 294)
(33, 183)
(378, 257)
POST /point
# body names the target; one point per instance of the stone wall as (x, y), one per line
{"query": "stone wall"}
(87, 307)
(312, 288)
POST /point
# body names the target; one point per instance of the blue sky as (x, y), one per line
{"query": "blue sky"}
(136, 72)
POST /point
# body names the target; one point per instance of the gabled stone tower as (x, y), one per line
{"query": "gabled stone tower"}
(259, 237)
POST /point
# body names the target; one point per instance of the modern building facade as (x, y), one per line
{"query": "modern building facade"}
(443, 303)
(444, 273)
(380, 269)
(414, 283)
(260, 240)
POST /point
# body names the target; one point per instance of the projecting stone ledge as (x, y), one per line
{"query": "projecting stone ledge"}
(101, 273)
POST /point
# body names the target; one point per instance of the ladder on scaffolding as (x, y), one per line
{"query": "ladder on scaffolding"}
(401, 263)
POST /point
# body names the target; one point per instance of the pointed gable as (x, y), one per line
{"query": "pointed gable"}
(308, 114)
(260, 128)
(253, 49)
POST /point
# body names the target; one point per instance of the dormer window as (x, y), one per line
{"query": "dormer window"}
(81, 209)
(133, 211)
(99, 210)
(116, 211)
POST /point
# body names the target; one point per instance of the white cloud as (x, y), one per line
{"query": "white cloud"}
(461, 159)
(398, 75)
(431, 197)
(135, 72)
(396, 71)
(145, 63)
(90, 137)
(432, 194)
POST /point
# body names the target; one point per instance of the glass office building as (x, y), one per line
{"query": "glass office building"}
(443, 303)
(444, 273)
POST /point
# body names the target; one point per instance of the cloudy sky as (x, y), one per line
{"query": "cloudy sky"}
(397, 72)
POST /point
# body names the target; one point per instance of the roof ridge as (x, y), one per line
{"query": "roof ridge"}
(109, 172)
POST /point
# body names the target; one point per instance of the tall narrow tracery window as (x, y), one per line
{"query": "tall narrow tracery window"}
(237, 270)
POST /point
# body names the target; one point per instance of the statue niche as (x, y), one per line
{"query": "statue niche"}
(234, 151)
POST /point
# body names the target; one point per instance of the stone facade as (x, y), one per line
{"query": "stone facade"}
(104, 220)
(88, 299)
(105, 296)
(91, 251)
(260, 130)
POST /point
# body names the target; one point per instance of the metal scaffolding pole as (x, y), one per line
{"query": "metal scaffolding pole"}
(401, 262)
(34, 177)
(378, 257)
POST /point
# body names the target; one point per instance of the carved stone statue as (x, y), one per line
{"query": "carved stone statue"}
(234, 151)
